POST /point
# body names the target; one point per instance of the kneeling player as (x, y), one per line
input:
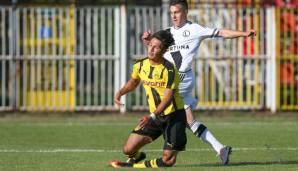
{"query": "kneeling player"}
(160, 80)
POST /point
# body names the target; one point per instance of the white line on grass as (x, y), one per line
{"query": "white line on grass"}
(70, 124)
(148, 150)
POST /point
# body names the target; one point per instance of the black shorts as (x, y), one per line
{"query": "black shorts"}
(171, 126)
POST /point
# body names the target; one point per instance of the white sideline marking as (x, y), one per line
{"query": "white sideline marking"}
(149, 150)
(258, 123)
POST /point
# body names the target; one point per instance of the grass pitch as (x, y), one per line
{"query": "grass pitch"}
(79, 142)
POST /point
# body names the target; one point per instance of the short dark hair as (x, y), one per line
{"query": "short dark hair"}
(165, 37)
(183, 3)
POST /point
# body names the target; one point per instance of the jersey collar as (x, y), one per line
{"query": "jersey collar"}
(177, 28)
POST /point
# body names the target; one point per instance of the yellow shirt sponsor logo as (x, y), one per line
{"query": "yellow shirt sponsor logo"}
(154, 83)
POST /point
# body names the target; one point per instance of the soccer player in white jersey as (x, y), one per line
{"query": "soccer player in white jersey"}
(188, 36)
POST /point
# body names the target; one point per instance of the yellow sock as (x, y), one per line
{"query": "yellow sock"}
(154, 163)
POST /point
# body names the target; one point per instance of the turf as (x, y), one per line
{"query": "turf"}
(80, 142)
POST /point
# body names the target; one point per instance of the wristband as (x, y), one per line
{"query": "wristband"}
(153, 116)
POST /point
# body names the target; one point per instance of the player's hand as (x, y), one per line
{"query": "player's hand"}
(251, 33)
(146, 37)
(144, 121)
(117, 100)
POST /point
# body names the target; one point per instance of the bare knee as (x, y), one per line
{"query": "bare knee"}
(134, 143)
(189, 116)
(128, 149)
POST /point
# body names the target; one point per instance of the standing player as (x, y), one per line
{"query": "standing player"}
(160, 79)
(188, 37)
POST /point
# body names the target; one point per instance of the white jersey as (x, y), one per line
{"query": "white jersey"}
(187, 41)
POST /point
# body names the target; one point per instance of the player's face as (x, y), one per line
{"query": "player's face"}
(155, 50)
(178, 15)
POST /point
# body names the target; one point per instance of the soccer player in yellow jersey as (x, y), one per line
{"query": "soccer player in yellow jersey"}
(160, 79)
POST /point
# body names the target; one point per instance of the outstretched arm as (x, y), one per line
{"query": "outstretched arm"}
(231, 34)
(129, 86)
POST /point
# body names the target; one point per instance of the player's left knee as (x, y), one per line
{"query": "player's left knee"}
(127, 150)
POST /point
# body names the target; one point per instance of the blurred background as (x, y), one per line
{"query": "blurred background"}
(73, 55)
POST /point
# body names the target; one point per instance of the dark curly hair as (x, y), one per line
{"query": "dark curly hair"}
(183, 3)
(165, 37)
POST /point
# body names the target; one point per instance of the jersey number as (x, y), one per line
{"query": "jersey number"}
(177, 57)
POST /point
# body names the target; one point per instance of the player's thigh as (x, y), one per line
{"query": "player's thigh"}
(174, 132)
(187, 84)
(135, 141)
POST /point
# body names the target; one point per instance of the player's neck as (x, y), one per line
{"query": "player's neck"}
(181, 25)
(156, 61)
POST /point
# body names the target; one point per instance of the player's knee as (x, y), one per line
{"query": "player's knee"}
(127, 149)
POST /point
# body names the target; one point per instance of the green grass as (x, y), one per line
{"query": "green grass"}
(54, 142)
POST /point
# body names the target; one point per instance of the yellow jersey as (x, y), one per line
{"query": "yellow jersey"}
(156, 79)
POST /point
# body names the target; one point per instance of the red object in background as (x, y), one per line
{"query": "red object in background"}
(288, 22)
(281, 3)
(248, 43)
(247, 2)
(287, 74)
(288, 3)
(288, 27)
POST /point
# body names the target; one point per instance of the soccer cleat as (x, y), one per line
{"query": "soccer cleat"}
(224, 154)
(119, 164)
(137, 159)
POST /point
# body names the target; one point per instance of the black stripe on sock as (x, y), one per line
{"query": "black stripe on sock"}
(147, 163)
(201, 129)
(160, 163)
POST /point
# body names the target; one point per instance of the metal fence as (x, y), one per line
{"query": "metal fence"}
(287, 58)
(75, 58)
(6, 103)
(66, 58)
(97, 64)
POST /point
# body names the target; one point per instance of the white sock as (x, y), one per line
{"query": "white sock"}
(207, 137)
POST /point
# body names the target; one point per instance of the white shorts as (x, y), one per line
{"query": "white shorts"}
(185, 89)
